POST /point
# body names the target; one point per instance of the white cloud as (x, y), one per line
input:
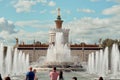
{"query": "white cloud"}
(26, 5)
(91, 30)
(29, 38)
(6, 25)
(33, 23)
(8, 34)
(51, 3)
(7, 29)
(85, 10)
(114, 10)
(26, 23)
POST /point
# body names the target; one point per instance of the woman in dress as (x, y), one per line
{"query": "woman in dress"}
(60, 77)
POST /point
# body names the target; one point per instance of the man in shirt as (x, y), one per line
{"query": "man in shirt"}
(54, 74)
(30, 75)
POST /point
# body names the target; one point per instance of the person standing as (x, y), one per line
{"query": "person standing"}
(60, 75)
(35, 78)
(30, 75)
(54, 74)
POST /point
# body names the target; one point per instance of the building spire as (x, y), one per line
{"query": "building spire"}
(58, 14)
(58, 11)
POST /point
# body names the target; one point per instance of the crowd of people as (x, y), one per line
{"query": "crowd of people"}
(54, 75)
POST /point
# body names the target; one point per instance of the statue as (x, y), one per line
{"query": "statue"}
(16, 45)
(16, 40)
(100, 40)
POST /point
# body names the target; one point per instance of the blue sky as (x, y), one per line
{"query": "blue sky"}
(88, 20)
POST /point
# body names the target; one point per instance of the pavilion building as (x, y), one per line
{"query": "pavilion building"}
(37, 49)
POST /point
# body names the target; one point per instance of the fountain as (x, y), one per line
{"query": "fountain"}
(1, 58)
(102, 64)
(12, 62)
(58, 54)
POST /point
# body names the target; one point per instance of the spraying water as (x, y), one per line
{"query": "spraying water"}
(102, 61)
(60, 52)
(14, 62)
(1, 58)
(8, 61)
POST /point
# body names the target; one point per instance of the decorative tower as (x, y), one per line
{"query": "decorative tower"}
(58, 21)
(52, 32)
